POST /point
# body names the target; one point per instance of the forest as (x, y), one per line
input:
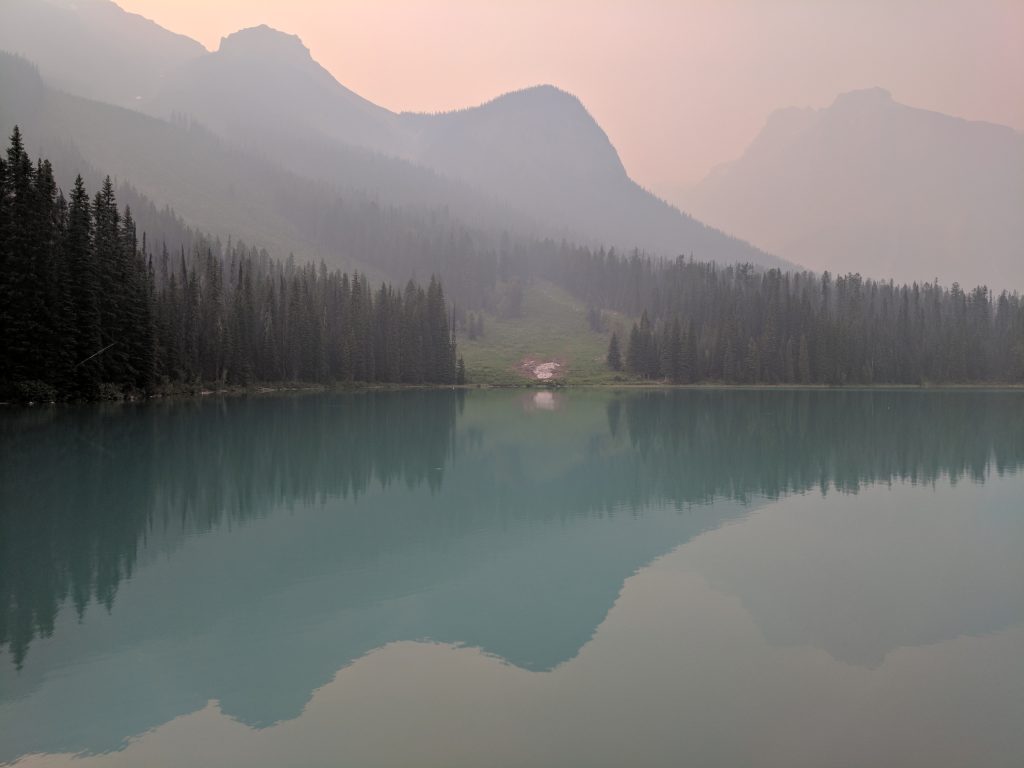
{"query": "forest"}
(88, 310)
(735, 324)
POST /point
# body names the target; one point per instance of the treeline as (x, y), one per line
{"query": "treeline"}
(703, 322)
(87, 312)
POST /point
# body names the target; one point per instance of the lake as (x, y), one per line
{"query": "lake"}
(516, 578)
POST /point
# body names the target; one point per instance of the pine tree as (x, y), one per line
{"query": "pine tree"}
(51, 361)
(752, 363)
(804, 361)
(635, 351)
(649, 354)
(108, 246)
(440, 362)
(413, 310)
(688, 368)
(84, 287)
(614, 358)
(6, 288)
(677, 369)
(21, 305)
(729, 362)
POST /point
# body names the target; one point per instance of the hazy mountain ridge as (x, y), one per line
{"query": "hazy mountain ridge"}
(545, 152)
(506, 129)
(123, 72)
(262, 84)
(881, 187)
(533, 161)
(537, 149)
(865, 184)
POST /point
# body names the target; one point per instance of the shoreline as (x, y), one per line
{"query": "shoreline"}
(354, 388)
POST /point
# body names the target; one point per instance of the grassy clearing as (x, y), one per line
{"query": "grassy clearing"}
(553, 327)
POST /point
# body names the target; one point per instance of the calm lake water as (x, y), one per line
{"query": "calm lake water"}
(590, 578)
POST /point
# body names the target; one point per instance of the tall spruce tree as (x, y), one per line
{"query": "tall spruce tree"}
(84, 290)
(614, 357)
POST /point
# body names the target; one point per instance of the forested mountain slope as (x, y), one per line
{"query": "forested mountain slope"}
(231, 193)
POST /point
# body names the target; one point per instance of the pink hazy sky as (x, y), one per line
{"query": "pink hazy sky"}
(679, 86)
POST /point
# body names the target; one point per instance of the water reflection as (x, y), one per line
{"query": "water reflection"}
(155, 558)
(546, 400)
(84, 491)
(720, 442)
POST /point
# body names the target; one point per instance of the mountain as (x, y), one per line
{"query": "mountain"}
(537, 151)
(532, 163)
(93, 48)
(261, 86)
(542, 150)
(872, 185)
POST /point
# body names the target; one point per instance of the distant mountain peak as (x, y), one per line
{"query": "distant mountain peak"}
(784, 123)
(542, 96)
(264, 41)
(877, 186)
(864, 97)
(542, 90)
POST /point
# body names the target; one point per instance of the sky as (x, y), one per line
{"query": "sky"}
(679, 86)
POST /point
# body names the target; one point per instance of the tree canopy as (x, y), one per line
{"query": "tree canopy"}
(89, 310)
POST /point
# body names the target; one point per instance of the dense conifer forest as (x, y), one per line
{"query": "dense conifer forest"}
(89, 311)
(704, 322)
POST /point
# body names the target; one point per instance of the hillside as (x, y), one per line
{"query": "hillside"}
(553, 328)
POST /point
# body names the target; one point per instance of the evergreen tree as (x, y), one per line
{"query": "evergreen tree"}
(677, 369)
(108, 249)
(688, 368)
(6, 289)
(614, 358)
(86, 339)
(634, 352)
(804, 361)
(21, 302)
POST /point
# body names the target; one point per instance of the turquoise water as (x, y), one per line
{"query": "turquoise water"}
(583, 578)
